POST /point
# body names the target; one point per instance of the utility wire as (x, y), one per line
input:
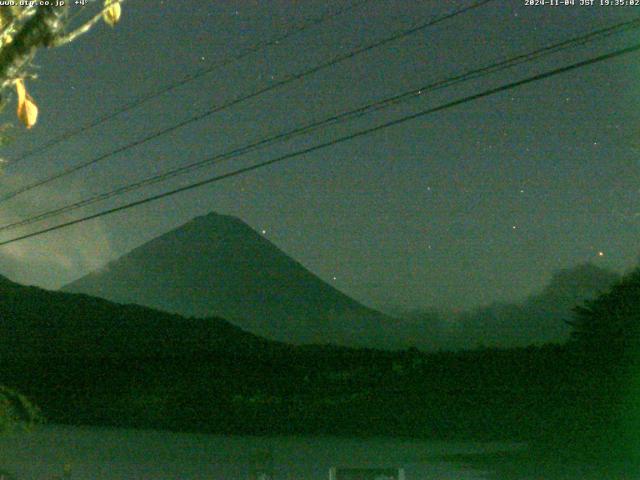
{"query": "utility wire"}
(189, 78)
(286, 80)
(361, 133)
(332, 120)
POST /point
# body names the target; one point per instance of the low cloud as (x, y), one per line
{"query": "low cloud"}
(52, 259)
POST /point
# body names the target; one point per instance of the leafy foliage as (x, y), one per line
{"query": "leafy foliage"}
(25, 29)
(606, 334)
(16, 410)
(112, 12)
(27, 109)
(610, 324)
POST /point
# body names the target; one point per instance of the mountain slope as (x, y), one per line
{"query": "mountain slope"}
(41, 323)
(217, 265)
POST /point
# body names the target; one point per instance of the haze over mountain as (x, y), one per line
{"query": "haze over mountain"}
(541, 318)
(216, 265)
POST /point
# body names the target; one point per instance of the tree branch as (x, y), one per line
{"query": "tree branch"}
(40, 30)
(64, 39)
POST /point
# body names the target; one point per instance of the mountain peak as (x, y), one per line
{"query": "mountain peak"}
(217, 265)
(215, 217)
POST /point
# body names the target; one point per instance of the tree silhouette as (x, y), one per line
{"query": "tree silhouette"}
(16, 410)
(610, 325)
(26, 29)
(607, 333)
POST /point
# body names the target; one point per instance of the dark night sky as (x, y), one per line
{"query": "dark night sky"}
(416, 215)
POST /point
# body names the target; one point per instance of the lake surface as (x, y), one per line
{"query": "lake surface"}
(110, 454)
(96, 453)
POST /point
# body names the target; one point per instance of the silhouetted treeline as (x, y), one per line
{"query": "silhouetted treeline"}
(479, 394)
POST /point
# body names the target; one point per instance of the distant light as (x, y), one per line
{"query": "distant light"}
(264, 232)
(514, 227)
(601, 254)
(334, 278)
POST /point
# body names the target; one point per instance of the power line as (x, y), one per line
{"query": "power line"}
(332, 120)
(237, 100)
(190, 78)
(361, 133)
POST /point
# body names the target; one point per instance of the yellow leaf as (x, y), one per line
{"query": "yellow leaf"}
(112, 12)
(27, 109)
